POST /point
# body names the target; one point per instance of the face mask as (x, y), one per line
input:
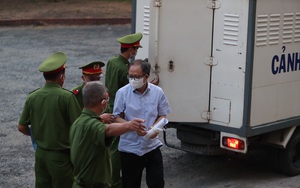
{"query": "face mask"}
(104, 107)
(136, 84)
(95, 78)
(134, 54)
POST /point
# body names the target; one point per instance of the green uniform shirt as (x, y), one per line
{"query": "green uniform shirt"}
(89, 150)
(78, 94)
(50, 111)
(115, 77)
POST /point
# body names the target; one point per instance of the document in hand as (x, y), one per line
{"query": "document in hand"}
(157, 128)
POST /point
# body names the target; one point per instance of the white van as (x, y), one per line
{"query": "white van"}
(231, 72)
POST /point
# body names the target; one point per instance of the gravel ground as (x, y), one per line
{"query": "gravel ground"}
(21, 51)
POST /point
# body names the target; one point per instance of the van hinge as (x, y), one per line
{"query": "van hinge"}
(206, 115)
(213, 4)
(210, 61)
(157, 3)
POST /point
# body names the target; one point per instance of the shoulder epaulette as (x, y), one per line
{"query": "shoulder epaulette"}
(75, 92)
(34, 90)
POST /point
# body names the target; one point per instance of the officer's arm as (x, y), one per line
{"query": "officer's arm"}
(24, 129)
(116, 129)
(120, 118)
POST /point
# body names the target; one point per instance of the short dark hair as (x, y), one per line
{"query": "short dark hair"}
(54, 76)
(145, 65)
(93, 93)
(124, 49)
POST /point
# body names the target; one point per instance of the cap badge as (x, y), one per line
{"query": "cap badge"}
(97, 66)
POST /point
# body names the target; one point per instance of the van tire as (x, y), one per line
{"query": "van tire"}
(289, 158)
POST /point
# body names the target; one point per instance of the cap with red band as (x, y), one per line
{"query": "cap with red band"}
(136, 44)
(92, 68)
(54, 63)
(57, 70)
(132, 40)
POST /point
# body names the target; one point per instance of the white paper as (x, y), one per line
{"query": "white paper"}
(157, 128)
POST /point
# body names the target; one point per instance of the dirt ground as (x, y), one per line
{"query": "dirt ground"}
(46, 9)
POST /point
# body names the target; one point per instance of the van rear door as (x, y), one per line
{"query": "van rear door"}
(180, 49)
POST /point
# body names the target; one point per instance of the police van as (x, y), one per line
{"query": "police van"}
(230, 70)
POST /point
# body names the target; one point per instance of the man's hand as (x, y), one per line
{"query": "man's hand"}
(137, 126)
(107, 118)
(155, 133)
(24, 129)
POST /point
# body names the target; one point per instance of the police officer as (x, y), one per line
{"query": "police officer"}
(91, 72)
(115, 78)
(90, 139)
(50, 111)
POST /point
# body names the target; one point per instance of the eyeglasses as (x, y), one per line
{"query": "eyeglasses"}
(136, 78)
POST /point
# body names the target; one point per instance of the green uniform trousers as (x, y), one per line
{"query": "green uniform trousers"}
(76, 185)
(53, 169)
(116, 164)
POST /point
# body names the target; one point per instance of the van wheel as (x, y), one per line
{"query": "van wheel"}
(289, 158)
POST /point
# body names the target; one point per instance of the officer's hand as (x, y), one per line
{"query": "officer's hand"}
(137, 126)
(107, 118)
